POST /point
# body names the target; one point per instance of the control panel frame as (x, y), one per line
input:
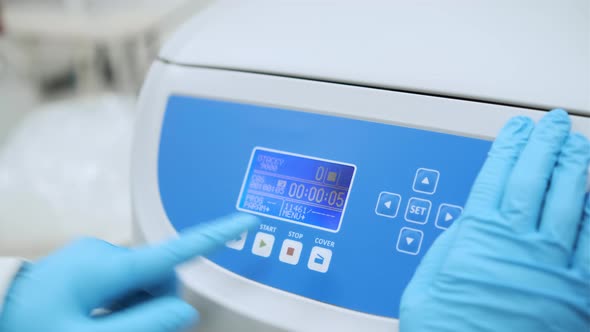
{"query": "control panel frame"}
(273, 309)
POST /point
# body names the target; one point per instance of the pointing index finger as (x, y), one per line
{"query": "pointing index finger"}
(194, 242)
(147, 266)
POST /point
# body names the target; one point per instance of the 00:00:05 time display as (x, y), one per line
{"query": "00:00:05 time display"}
(317, 195)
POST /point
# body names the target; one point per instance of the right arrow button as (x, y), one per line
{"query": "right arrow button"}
(448, 217)
(447, 214)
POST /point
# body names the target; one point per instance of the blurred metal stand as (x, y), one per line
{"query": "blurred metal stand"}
(17, 94)
(122, 35)
(64, 166)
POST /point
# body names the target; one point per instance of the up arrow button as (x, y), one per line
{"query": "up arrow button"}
(426, 181)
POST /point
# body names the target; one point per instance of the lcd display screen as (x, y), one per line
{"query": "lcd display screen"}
(296, 188)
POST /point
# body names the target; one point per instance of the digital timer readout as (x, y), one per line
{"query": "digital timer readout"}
(296, 188)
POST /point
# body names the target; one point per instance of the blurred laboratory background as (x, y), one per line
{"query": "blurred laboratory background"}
(70, 72)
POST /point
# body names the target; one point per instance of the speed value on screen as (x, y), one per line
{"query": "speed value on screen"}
(301, 189)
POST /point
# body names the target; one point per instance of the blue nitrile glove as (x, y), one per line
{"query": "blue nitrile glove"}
(519, 257)
(62, 292)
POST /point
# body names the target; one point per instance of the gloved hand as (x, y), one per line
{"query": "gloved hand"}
(519, 257)
(62, 292)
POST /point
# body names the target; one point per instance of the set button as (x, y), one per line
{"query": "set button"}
(447, 214)
(418, 210)
(426, 181)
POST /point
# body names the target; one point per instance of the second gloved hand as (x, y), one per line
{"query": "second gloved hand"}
(519, 257)
(137, 287)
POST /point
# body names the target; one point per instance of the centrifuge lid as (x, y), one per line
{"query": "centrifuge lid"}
(528, 53)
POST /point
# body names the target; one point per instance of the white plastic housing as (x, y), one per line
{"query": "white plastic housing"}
(534, 53)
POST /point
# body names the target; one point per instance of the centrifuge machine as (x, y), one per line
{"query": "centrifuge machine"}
(354, 130)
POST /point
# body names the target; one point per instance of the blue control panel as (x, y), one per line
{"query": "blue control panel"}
(381, 194)
(300, 189)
